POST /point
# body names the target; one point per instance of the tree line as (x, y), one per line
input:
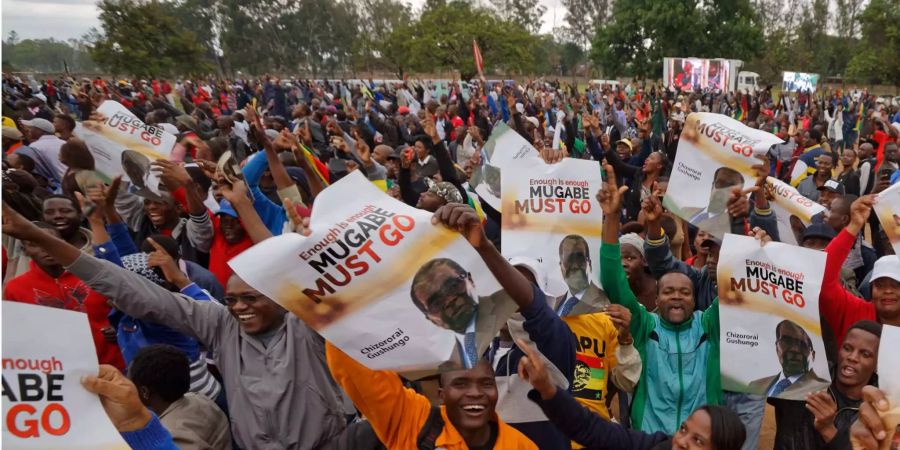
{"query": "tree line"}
(858, 40)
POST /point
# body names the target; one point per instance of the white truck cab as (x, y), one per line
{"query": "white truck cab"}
(748, 81)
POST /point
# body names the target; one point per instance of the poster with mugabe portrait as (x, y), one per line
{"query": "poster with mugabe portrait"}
(770, 331)
(381, 282)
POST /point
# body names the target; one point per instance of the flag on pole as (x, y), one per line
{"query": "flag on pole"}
(479, 62)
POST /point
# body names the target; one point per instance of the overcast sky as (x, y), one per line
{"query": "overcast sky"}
(65, 19)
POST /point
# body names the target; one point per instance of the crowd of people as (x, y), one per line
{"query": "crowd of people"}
(193, 357)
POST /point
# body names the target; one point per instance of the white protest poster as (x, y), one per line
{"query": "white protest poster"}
(44, 404)
(381, 282)
(550, 214)
(887, 208)
(889, 382)
(791, 209)
(716, 154)
(123, 144)
(770, 333)
(504, 145)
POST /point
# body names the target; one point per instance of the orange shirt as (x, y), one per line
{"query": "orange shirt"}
(398, 414)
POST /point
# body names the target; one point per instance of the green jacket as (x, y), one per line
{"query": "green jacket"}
(680, 362)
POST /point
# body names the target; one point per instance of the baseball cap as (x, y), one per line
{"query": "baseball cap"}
(887, 266)
(551, 287)
(403, 110)
(12, 133)
(625, 142)
(444, 190)
(226, 208)
(834, 186)
(187, 121)
(819, 230)
(41, 124)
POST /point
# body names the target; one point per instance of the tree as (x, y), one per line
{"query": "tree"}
(377, 19)
(643, 32)
(442, 40)
(875, 60)
(45, 55)
(585, 16)
(526, 13)
(145, 39)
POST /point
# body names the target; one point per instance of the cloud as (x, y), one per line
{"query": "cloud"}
(59, 19)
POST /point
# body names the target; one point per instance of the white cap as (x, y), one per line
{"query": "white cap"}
(551, 287)
(41, 124)
(887, 266)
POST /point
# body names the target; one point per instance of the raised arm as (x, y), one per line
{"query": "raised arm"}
(612, 274)
(574, 420)
(836, 304)
(381, 398)
(464, 219)
(238, 195)
(127, 291)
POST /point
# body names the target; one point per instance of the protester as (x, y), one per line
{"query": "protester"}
(840, 308)
(824, 420)
(656, 406)
(421, 141)
(248, 340)
(161, 374)
(708, 426)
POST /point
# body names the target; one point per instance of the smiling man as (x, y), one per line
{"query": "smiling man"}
(272, 365)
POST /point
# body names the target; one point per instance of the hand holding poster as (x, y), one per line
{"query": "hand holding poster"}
(123, 144)
(771, 337)
(44, 404)
(716, 155)
(791, 209)
(381, 282)
(503, 146)
(550, 215)
(887, 208)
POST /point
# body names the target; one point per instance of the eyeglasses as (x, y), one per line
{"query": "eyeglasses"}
(247, 299)
(451, 288)
(786, 341)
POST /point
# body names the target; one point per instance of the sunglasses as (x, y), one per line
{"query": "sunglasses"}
(452, 287)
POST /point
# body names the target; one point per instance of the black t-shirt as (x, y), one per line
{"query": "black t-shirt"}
(795, 423)
(492, 439)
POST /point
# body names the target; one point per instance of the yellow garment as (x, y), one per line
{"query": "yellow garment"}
(595, 353)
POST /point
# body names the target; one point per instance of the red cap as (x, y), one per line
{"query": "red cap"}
(403, 110)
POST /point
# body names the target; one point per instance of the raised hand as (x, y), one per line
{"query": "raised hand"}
(532, 370)
(464, 220)
(610, 194)
(173, 174)
(160, 258)
(652, 207)
(300, 225)
(738, 205)
(17, 226)
(859, 213)
(236, 193)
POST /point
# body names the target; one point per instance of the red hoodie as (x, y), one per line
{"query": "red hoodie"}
(36, 287)
(840, 308)
(221, 252)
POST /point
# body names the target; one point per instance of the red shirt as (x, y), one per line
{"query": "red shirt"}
(220, 252)
(839, 307)
(36, 287)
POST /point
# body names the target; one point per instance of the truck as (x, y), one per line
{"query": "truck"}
(691, 73)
